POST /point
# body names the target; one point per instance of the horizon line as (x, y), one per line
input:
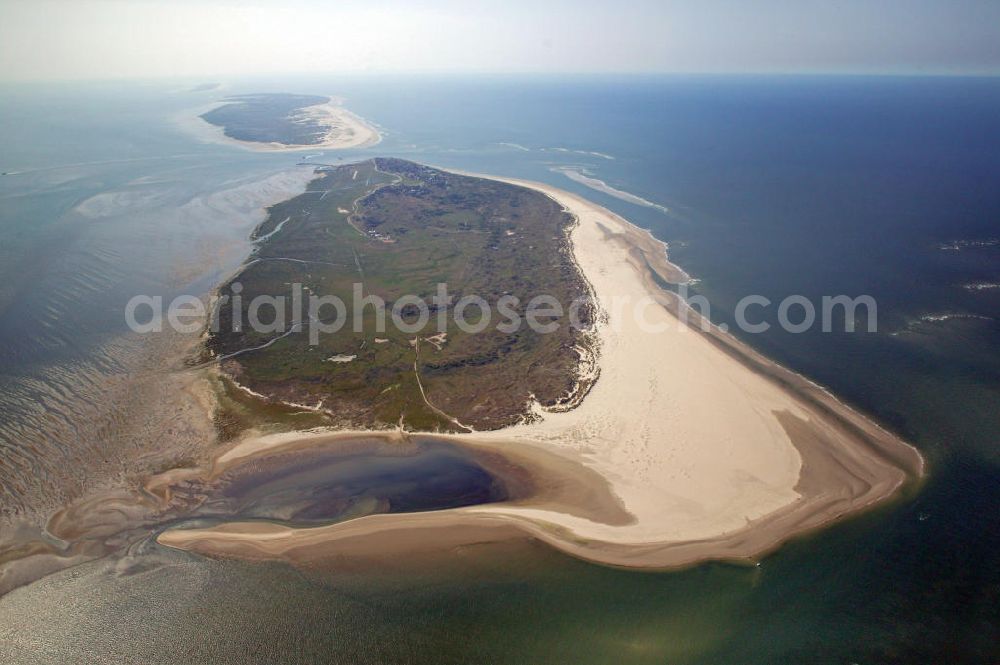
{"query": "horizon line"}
(354, 74)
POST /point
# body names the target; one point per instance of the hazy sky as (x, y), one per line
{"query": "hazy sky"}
(80, 39)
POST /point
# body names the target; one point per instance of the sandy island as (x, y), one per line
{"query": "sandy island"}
(344, 129)
(690, 445)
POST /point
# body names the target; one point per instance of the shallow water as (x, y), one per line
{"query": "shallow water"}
(100, 209)
(773, 186)
(329, 483)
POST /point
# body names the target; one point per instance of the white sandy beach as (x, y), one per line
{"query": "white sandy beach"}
(687, 436)
(711, 449)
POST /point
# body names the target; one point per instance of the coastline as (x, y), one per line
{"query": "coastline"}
(691, 445)
(169, 397)
(345, 129)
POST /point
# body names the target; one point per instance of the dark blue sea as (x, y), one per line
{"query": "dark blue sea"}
(770, 186)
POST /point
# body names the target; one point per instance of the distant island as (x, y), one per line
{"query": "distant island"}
(276, 121)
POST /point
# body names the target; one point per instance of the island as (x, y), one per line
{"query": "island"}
(642, 441)
(633, 434)
(283, 121)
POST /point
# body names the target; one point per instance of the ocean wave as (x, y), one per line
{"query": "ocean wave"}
(583, 177)
(592, 153)
(569, 151)
(959, 245)
(933, 318)
(981, 286)
(948, 316)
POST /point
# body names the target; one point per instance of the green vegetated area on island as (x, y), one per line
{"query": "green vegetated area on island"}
(269, 118)
(398, 229)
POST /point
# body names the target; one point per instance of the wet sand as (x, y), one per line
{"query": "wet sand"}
(690, 446)
(161, 415)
